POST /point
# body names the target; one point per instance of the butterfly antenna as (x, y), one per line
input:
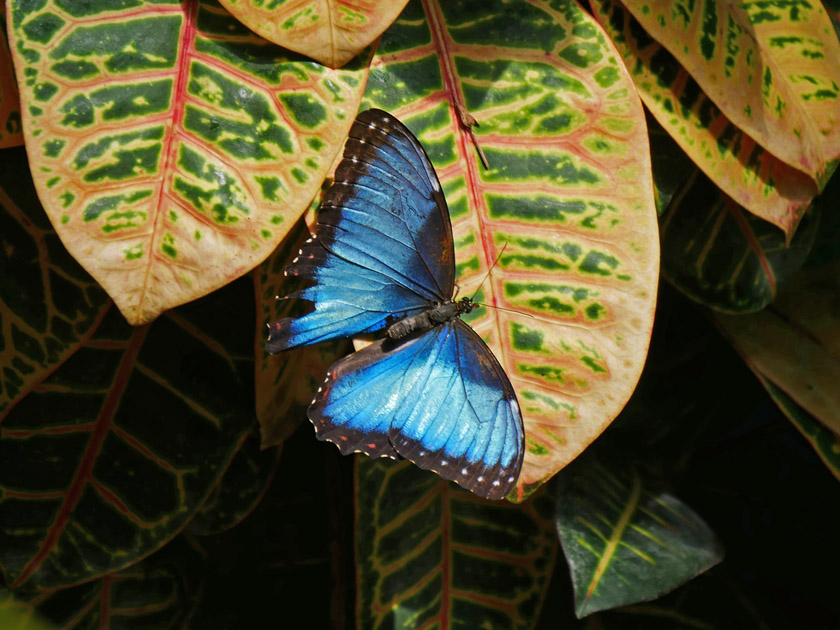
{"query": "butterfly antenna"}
(487, 275)
(500, 308)
(509, 310)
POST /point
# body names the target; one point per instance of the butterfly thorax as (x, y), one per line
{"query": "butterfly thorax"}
(431, 317)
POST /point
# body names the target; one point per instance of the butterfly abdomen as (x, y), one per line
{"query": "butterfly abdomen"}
(429, 318)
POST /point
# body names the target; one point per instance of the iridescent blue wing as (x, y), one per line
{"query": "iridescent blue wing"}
(440, 399)
(382, 248)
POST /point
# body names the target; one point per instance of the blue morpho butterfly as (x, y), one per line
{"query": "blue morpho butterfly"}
(430, 390)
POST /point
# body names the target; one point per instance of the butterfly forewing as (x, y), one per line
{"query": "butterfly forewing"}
(385, 220)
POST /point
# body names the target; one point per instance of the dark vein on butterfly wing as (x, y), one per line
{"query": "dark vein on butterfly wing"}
(427, 175)
(463, 380)
(365, 254)
(384, 374)
(322, 336)
(413, 247)
(350, 421)
(432, 361)
(385, 139)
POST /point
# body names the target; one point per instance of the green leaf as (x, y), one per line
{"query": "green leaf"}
(626, 542)
(771, 68)
(17, 615)
(727, 154)
(155, 593)
(832, 8)
(566, 206)
(794, 342)
(823, 440)
(112, 454)
(172, 149)
(328, 31)
(719, 254)
(48, 303)
(239, 490)
(430, 554)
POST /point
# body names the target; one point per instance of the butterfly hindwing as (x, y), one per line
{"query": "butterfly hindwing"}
(383, 244)
(441, 399)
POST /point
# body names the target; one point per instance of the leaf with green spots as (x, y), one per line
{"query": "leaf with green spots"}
(286, 382)
(167, 140)
(716, 252)
(158, 592)
(112, 454)
(770, 67)
(239, 490)
(11, 133)
(626, 542)
(329, 31)
(727, 154)
(566, 205)
(433, 555)
(48, 304)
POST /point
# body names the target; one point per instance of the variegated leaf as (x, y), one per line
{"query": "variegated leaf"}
(712, 249)
(832, 8)
(18, 615)
(624, 542)
(172, 148)
(823, 440)
(11, 134)
(329, 31)
(772, 67)
(727, 154)
(111, 455)
(239, 490)
(724, 257)
(795, 344)
(566, 205)
(48, 304)
(431, 555)
(155, 593)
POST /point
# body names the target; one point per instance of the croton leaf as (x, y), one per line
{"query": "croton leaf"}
(625, 542)
(794, 343)
(823, 440)
(329, 31)
(728, 155)
(565, 209)
(11, 134)
(172, 148)
(18, 615)
(48, 303)
(717, 253)
(286, 382)
(110, 456)
(240, 489)
(155, 593)
(772, 68)
(430, 554)
(832, 8)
